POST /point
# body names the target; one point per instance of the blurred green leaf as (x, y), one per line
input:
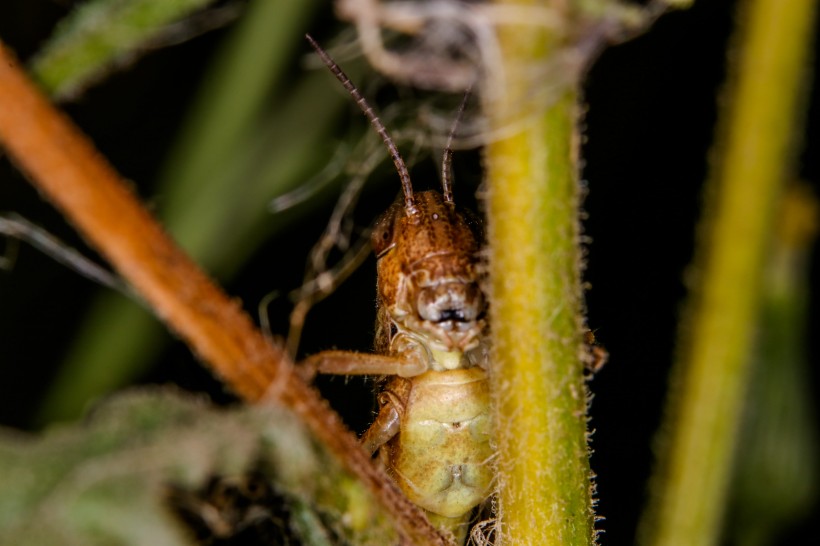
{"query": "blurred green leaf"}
(776, 476)
(106, 481)
(102, 34)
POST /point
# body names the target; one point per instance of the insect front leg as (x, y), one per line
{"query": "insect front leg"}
(407, 358)
(353, 363)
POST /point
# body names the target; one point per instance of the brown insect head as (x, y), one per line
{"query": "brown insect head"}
(428, 274)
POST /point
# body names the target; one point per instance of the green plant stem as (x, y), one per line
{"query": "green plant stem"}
(678, 4)
(533, 236)
(759, 120)
(235, 93)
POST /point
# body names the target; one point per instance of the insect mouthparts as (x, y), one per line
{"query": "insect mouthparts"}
(452, 314)
(448, 302)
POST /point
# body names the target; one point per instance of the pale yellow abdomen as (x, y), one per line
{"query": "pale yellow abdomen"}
(441, 457)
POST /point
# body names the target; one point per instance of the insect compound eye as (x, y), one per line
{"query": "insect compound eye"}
(382, 236)
(382, 239)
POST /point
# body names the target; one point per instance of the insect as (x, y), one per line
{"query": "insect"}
(597, 354)
(432, 432)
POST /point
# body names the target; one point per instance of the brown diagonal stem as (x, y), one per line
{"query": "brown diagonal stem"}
(64, 165)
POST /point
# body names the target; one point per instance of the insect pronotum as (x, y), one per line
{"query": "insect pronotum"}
(432, 432)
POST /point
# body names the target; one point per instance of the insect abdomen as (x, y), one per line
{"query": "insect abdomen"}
(441, 457)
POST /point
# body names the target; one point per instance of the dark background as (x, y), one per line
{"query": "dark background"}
(651, 114)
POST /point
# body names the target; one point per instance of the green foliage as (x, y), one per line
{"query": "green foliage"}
(776, 479)
(102, 34)
(105, 481)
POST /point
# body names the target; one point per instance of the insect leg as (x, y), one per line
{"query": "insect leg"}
(386, 425)
(596, 355)
(458, 526)
(352, 363)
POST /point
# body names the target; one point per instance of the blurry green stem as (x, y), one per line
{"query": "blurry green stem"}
(235, 93)
(760, 115)
(678, 4)
(533, 236)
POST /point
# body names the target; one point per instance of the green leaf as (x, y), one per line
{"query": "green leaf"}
(107, 480)
(775, 480)
(103, 34)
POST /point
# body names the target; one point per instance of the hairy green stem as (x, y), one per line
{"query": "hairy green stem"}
(759, 120)
(545, 495)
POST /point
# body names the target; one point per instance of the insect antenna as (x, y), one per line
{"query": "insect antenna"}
(404, 175)
(447, 159)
